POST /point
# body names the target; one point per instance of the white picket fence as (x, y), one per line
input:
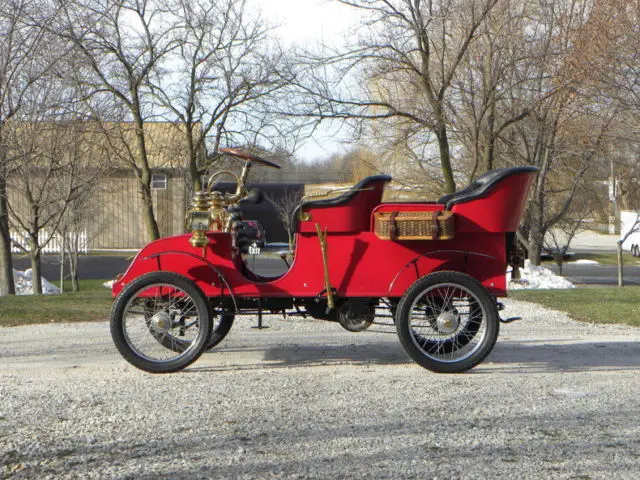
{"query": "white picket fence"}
(20, 243)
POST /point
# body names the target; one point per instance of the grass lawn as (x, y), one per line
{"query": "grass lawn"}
(590, 303)
(92, 303)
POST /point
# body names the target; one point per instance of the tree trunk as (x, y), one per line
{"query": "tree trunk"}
(61, 259)
(145, 177)
(516, 275)
(36, 274)
(445, 158)
(534, 246)
(291, 240)
(559, 263)
(488, 155)
(620, 264)
(73, 271)
(7, 286)
(148, 216)
(194, 173)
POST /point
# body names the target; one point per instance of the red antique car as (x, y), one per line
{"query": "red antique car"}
(438, 266)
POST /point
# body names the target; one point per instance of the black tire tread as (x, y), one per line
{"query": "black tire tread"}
(117, 312)
(403, 329)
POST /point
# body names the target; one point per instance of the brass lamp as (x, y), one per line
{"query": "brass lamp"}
(217, 212)
(198, 219)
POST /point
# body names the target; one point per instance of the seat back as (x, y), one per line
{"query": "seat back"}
(494, 202)
(482, 186)
(349, 212)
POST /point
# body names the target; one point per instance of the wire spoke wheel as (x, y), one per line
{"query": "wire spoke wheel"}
(161, 322)
(447, 322)
(179, 341)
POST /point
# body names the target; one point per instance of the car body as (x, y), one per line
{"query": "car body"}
(436, 267)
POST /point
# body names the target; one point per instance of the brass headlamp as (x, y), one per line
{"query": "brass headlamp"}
(208, 208)
(198, 219)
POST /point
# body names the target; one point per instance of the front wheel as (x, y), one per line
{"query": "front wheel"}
(221, 326)
(447, 322)
(161, 322)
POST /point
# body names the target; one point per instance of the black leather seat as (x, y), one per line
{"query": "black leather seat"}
(349, 212)
(482, 185)
(364, 184)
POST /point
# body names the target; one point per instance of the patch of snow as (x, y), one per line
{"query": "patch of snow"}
(24, 284)
(584, 261)
(109, 283)
(537, 277)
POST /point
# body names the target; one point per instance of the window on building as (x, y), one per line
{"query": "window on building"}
(158, 181)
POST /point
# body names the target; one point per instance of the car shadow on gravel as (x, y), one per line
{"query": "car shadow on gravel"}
(534, 357)
(507, 357)
(301, 356)
(370, 354)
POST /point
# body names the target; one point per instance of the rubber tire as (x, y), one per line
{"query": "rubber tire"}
(486, 302)
(117, 312)
(221, 331)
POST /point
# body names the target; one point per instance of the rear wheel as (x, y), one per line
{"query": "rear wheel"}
(447, 322)
(161, 322)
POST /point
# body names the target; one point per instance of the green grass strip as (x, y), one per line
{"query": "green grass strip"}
(92, 303)
(596, 304)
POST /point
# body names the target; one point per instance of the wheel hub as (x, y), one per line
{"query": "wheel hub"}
(161, 322)
(448, 322)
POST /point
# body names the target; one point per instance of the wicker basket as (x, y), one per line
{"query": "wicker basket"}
(432, 225)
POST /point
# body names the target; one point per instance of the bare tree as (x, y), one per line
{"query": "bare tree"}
(559, 238)
(406, 60)
(567, 132)
(51, 171)
(286, 206)
(613, 58)
(72, 230)
(613, 67)
(225, 69)
(121, 44)
(23, 36)
(490, 82)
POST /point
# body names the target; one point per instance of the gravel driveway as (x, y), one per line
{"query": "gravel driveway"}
(306, 399)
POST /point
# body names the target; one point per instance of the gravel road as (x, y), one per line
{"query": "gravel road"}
(306, 399)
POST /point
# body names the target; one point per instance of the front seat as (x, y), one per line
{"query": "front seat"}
(349, 212)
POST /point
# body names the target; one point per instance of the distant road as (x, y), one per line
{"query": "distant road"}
(97, 267)
(598, 274)
(107, 266)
